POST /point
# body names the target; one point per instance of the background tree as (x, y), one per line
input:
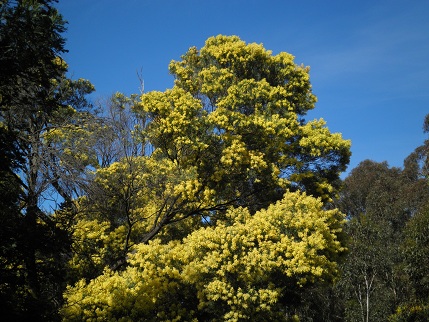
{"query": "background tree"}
(378, 201)
(415, 243)
(127, 128)
(416, 253)
(13, 297)
(35, 98)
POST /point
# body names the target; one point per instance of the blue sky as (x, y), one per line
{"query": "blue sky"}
(369, 59)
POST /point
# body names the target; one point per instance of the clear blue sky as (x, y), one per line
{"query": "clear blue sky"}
(369, 59)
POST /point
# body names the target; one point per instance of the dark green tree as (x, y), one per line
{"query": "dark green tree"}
(378, 201)
(35, 98)
(415, 246)
(415, 306)
(10, 219)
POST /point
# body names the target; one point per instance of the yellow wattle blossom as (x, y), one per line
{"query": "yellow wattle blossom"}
(198, 221)
(229, 267)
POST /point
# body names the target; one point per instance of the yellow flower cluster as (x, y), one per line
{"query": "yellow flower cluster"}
(241, 107)
(317, 138)
(236, 270)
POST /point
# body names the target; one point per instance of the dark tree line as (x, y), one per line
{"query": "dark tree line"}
(384, 275)
(35, 98)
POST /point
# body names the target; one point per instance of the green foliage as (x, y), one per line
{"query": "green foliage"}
(10, 259)
(416, 249)
(415, 243)
(30, 43)
(35, 97)
(379, 201)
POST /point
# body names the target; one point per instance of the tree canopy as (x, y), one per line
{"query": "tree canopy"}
(228, 139)
(236, 113)
(385, 206)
